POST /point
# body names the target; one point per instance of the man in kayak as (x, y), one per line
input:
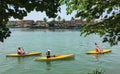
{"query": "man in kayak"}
(97, 49)
(20, 51)
(48, 55)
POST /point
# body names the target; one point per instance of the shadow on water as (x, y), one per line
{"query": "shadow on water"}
(49, 65)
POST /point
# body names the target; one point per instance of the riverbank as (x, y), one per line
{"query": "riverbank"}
(55, 27)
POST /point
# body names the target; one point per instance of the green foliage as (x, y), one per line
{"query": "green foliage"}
(45, 20)
(59, 18)
(4, 32)
(97, 71)
(72, 18)
(51, 24)
(63, 20)
(19, 9)
(109, 29)
(106, 10)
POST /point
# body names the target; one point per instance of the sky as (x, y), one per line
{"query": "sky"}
(39, 16)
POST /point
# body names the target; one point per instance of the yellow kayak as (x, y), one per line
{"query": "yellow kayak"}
(56, 57)
(27, 54)
(101, 52)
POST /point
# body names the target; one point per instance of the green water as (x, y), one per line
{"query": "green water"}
(60, 42)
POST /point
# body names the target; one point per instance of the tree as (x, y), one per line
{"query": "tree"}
(59, 18)
(72, 20)
(106, 10)
(19, 9)
(45, 20)
(63, 20)
(52, 23)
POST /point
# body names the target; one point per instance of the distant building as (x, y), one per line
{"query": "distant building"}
(23, 23)
(67, 23)
(14, 23)
(27, 23)
(41, 23)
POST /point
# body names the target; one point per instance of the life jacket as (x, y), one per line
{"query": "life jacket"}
(97, 49)
(19, 51)
(48, 54)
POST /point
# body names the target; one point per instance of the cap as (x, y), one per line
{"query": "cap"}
(49, 50)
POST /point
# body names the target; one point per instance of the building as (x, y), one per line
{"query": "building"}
(27, 23)
(23, 23)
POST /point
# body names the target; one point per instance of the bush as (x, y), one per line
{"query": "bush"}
(97, 71)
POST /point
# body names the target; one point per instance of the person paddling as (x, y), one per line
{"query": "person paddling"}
(48, 55)
(20, 51)
(97, 48)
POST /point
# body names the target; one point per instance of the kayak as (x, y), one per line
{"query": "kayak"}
(101, 52)
(27, 54)
(55, 57)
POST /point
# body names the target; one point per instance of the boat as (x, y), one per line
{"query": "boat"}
(101, 51)
(24, 55)
(55, 57)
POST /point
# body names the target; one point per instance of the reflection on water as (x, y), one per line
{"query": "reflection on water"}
(19, 59)
(96, 56)
(48, 63)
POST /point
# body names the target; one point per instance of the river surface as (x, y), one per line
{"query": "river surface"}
(60, 42)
